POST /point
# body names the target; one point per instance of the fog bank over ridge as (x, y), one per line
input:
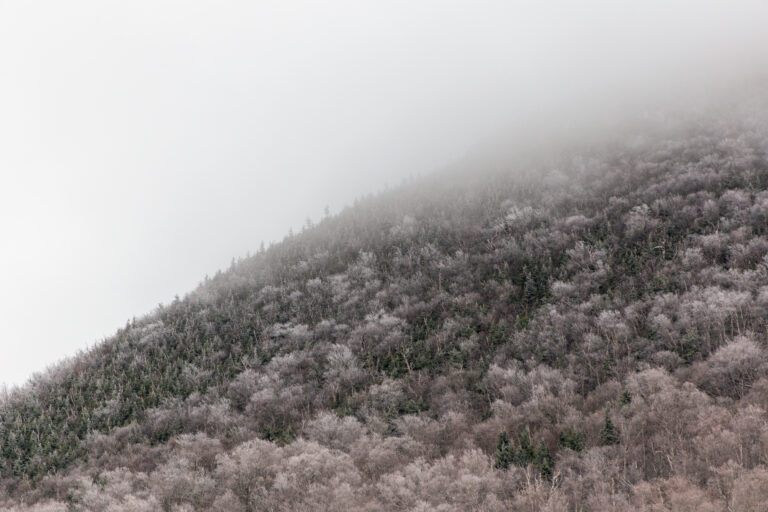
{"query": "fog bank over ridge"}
(144, 145)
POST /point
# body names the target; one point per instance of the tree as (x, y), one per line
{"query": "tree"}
(505, 451)
(571, 439)
(542, 459)
(524, 455)
(609, 435)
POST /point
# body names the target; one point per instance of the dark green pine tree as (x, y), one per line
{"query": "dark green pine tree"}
(609, 435)
(526, 453)
(530, 291)
(626, 397)
(542, 459)
(571, 439)
(505, 451)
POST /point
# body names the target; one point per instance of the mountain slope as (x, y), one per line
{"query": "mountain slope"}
(579, 332)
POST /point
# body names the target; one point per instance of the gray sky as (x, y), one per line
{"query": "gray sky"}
(143, 144)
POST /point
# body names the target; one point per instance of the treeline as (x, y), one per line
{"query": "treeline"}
(585, 332)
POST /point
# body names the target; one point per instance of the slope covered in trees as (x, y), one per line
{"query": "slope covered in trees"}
(585, 331)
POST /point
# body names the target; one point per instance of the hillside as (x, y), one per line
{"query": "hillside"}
(580, 330)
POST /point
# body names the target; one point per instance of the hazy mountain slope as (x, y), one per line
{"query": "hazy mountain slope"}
(585, 332)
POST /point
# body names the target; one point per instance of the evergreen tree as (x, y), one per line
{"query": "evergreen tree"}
(571, 439)
(625, 398)
(505, 451)
(526, 453)
(609, 435)
(542, 459)
(530, 291)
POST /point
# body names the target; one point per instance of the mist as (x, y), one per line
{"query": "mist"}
(143, 145)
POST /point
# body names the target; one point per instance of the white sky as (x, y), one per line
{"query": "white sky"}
(145, 143)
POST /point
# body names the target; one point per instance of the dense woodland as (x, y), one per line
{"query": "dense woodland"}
(580, 330)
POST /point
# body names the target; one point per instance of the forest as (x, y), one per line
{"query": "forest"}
(583, 328)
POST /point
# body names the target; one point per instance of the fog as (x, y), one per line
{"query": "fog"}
(145, 144)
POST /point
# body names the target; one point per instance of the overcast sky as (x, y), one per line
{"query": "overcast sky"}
(145, 143)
